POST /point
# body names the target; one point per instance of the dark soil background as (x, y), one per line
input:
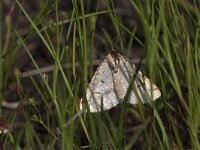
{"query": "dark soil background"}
(21, 60)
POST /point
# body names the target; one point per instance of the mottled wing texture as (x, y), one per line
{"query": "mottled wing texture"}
(142, 85)
(111, 81)
(100, 93)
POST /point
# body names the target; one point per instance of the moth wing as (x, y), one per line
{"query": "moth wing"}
(148, 87)
(126, 73)
(100, 93)
(144, 87)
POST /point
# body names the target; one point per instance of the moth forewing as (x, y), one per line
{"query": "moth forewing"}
(113, 60)
(152, 89)
(147, 90)
(92, 97)
(140, 89)
(118, 85)
(134, 91)
(101, 89)
(128, 77)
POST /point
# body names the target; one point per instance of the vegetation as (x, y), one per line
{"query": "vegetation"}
(164, 34)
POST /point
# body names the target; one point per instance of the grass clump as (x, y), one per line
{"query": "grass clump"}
(165, 34)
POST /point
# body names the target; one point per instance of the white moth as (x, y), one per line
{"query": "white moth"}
(111, 82)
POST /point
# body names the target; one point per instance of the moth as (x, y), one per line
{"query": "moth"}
(111, 82)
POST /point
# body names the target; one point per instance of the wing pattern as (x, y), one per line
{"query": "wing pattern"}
(111, 81)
